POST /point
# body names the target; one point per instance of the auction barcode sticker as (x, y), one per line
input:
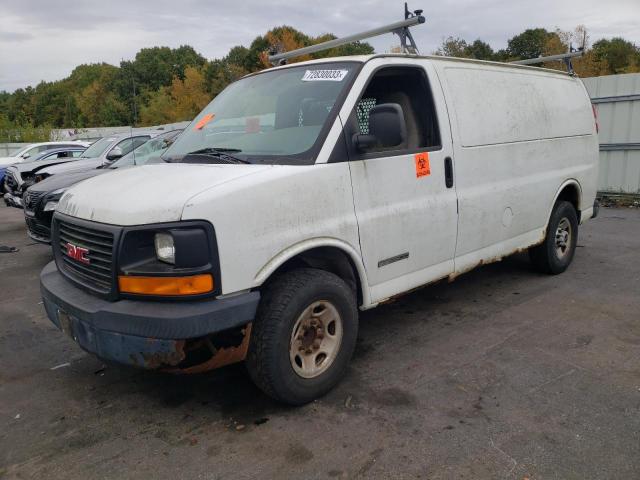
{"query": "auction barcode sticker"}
(324, 75)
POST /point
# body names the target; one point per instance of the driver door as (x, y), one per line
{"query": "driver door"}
(404, 198)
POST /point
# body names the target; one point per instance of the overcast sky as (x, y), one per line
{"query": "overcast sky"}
(46, 39)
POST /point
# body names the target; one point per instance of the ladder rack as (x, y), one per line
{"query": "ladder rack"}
(565, 57)
(400, 28)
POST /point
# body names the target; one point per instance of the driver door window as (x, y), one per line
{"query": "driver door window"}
(408, 88)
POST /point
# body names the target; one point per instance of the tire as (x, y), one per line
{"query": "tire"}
(290, 368)
(555, 253)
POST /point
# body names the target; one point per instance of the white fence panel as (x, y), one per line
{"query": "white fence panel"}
(617, 100)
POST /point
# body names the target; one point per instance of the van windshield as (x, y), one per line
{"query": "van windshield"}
(279, 116)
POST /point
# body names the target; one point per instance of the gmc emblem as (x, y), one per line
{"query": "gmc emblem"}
(78, 253)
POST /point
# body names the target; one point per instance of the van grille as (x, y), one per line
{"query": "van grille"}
(97, 273)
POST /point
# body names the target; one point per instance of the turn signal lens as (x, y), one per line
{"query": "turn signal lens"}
(191, 285)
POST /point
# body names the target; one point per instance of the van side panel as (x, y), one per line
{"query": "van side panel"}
(494, 105)
(518, 137)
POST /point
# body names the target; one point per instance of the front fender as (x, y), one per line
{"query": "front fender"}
(294, 250)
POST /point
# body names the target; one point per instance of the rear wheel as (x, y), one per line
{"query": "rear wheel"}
(555, 253)
(303, 336)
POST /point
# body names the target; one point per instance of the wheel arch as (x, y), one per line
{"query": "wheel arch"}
(328, 254)
(570, 191)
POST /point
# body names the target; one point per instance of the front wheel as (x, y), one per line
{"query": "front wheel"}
(555, 253)
(303, 336)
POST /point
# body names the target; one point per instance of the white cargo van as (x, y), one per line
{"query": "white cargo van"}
(306, 192)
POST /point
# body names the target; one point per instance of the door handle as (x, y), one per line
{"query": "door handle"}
(448, 172)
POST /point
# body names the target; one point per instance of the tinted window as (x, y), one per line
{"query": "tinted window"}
(129, 144)
(31, 152)
(98, 148)
(150, 150)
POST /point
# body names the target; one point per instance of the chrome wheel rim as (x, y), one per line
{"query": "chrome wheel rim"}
(563, 238)
(315, 339)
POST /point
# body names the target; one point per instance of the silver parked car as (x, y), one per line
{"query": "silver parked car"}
(103, 152)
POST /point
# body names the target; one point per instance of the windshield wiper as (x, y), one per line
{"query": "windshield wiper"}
(221, 153)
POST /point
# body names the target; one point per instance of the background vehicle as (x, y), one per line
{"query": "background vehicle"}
(103, 152)
(34, 149)
(29, 152)
(310, 190)
(21, 175)
(41, 199)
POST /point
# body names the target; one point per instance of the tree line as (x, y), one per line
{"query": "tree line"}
(165, 85)
(604, 57)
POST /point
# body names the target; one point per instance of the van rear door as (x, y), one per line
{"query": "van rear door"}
(406, 210)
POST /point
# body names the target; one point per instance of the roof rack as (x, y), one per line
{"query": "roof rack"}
(565, 57)
(401, 28)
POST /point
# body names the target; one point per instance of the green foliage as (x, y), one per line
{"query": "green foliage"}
(458, 47)
(620, 55)
(480, 50)
(528, 44)
(9, 132)
(605, 57)
(453, 47)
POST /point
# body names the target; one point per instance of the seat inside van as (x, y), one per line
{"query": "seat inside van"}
(408, 88)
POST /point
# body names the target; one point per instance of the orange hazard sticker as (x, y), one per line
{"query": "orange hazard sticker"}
(203, 121)
(422, 164)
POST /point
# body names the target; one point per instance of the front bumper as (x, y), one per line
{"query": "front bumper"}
(12, 200)
(38, 226)
(191, 336)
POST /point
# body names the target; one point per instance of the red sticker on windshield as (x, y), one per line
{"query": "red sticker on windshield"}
(203, 121)
(252, 125)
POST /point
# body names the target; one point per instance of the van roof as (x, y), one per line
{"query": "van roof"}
(437, 58)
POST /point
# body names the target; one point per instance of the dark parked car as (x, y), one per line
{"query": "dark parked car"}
(41, 199)
(20, 176)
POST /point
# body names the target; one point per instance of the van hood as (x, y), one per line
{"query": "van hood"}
(147, 194)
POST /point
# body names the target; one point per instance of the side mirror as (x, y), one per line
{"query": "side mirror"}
(387, 128)
(26, 155)
(114, 154)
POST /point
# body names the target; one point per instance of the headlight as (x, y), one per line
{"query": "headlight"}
(165, 249)
(53, 202)
(169, 259)
(50, 206)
